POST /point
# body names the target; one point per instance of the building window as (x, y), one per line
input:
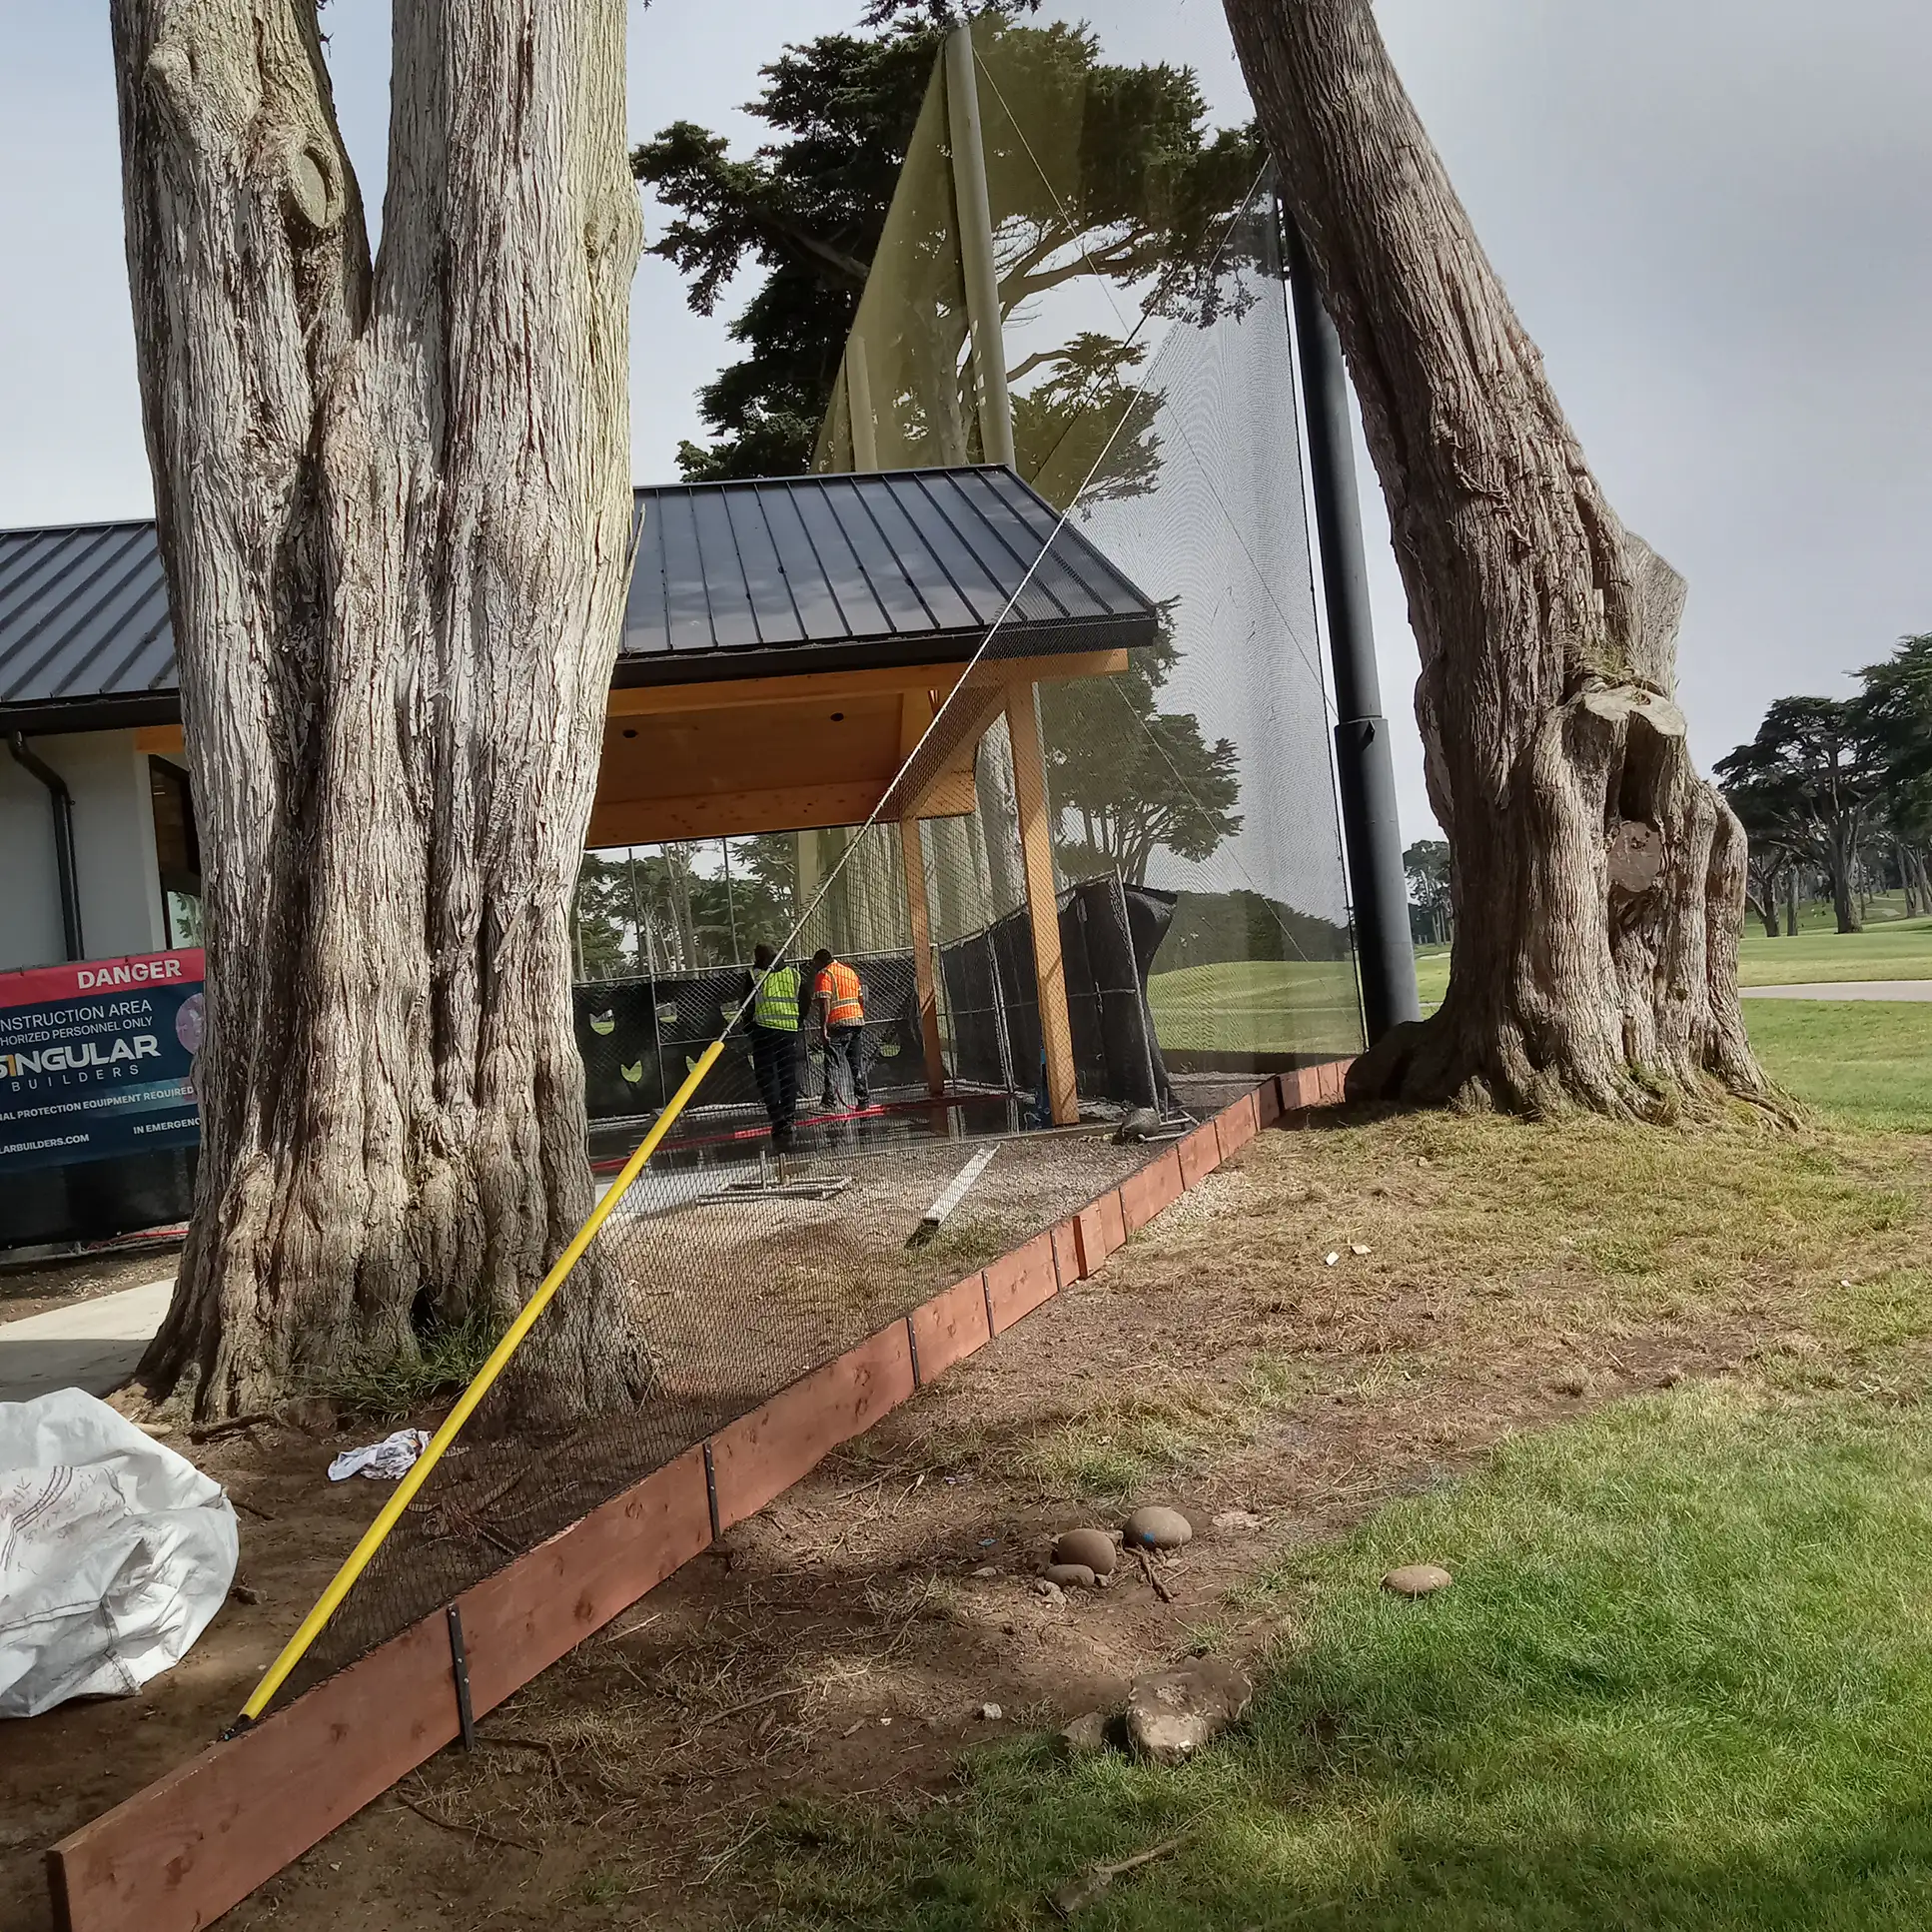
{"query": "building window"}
(177, 849)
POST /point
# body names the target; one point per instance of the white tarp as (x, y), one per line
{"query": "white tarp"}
(115, 1552)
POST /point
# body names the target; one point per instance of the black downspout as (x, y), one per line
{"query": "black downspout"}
(1364, 771)
(62, 801)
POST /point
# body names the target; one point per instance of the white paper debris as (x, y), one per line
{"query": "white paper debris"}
(389, 1461)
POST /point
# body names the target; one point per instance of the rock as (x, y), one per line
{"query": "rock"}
(1418, 1579)
(1331, 1258)
(1084, 1736)
(1051, 1587)
(991, 1714)
(1237, 1523)
(1172, 1714)
(1155, 1527)
(1071, 1576)
(1358, 1246)
(1094, 1548)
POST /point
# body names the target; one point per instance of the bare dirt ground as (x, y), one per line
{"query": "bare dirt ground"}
(1342, 1316)
(35, 1287)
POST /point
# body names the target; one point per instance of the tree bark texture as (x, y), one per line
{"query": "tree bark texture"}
(393, 501)
(1597, 882)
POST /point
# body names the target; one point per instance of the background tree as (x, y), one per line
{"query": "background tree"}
(1770, 866)
(1598, 881)
(1811, 784)
(1896, 703)
(604, 925)
(1127, 779)
(808, 208)
(1427, 863)
(1152, 190)
(392, 497)
(677, 907)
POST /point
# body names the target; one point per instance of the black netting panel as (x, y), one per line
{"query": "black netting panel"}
(1164, 813)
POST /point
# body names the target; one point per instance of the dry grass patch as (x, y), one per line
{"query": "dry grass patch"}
(1496, 1256)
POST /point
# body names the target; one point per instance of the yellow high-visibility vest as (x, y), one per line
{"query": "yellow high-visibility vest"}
(776, 1004)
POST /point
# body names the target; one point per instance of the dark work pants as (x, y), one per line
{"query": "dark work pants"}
(845, 1047)
(774, 1059)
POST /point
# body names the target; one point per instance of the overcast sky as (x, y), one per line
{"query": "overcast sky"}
(1713, 215)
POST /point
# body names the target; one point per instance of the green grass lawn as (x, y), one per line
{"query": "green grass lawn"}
(1898, 949)
(1681, 1680)
(1901, 949)
(1868, 1063)
(1258, 1006)
(1873, 1063)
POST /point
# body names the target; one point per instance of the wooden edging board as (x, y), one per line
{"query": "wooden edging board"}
(176, 1855)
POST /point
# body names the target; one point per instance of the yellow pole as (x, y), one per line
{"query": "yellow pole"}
(359, 1559)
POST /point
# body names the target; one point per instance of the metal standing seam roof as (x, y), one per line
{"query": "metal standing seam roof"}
(731, 579)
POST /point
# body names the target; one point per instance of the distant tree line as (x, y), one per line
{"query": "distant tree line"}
(1836, 793)
(678, 908)
(1431, 917)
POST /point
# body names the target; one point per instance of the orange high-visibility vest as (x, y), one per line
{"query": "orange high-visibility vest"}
(840, 986)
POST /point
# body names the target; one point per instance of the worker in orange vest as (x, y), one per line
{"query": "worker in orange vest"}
(838, 1008)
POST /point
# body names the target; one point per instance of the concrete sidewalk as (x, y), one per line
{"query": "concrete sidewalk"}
(1845, 989)
(97, 1345)
(93, 1344)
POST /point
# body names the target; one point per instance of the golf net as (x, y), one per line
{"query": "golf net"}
(1101, 887)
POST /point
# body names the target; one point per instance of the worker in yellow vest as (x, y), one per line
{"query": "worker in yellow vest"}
(838, 1011)
(774, 1039)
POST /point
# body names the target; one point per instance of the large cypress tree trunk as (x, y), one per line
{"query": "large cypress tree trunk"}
(1597, 882)
(394, 502)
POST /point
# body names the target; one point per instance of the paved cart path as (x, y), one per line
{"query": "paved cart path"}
(93, 1344)
(1848, 989)
(96, 1344)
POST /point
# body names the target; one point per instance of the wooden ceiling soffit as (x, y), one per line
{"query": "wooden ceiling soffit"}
(783, 808)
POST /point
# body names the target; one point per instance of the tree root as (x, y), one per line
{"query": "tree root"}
(1435, 1062)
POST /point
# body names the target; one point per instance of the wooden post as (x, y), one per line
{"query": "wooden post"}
(915, 858)
(1042, 904)
(915, 717)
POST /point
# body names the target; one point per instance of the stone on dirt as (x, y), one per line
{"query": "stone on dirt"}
(1086, 1736)
(1071, 1576)
(1157, 1527)
(1171, 1714)
(991, 1714)
(1094, 1548)
(1418, 1579)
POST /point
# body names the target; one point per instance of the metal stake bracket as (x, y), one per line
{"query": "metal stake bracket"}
(460, 1668)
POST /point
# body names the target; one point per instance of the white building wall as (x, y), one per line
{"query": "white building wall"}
(29, 886)
(114, 853)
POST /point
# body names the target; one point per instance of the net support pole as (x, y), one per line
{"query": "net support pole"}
(1364, 771)
(1042, 901)
(979, 271)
